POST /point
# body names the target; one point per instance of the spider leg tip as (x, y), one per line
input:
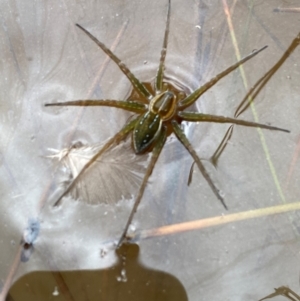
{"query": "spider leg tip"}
(51, 104)
(285, 130)
(223, 203)
(57, 203)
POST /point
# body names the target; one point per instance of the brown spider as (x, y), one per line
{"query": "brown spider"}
(158, 115)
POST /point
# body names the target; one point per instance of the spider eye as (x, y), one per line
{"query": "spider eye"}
(146, 131)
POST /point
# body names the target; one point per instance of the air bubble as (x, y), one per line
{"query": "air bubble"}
(55, 292)
(122, 277)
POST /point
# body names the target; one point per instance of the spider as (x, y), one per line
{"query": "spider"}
(158, 114)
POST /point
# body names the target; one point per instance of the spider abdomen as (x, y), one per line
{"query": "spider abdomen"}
(146, 131)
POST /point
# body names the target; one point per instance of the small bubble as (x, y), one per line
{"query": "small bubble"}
(122, 277)
(132, 228)
(55, 292)
(131, 231)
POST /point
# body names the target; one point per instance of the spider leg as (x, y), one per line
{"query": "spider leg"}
(160, 71)
(137, 85)
(189, 100)
(191, 116)
(215, 157)
(287, 292)
(115, 139)
(183, 139)
(155, 154)
(271, 295)
(190, 178)
(253, 92)
(131, 106)
(283, 291)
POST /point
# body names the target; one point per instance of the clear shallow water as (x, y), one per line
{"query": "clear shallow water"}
(46, 59)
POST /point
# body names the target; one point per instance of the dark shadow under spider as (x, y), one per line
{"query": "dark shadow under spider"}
(157, 116)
